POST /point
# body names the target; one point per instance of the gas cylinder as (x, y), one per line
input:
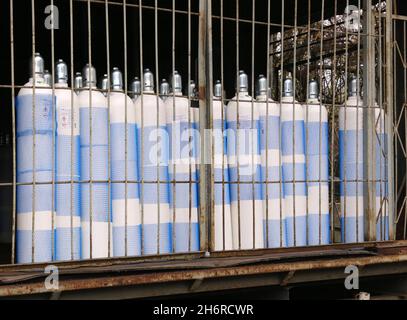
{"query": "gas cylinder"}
(316, 136)
(152, 154)
(35, 133)
(96, 217)
(294, 169)
(223, 217)
(182, 169)
(243, 139)
(351, 165)
(125, 196)
(271, 174)
(68, 221)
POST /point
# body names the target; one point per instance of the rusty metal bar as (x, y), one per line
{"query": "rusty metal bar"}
(369, 121)
(205, 120)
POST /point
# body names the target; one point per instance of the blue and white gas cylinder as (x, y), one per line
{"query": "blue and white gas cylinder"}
(351, 166)
(68, 210)
(125, 197)
(294, 168)
(96, 217)
(35, 132)
(271, 175)
(243, 139)
(153, 169)
(222, 214)
(182, 170)
(382, 190)
(316, 136)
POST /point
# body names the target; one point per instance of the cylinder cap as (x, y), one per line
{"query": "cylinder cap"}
(261, 85)
(164, 87)
(176, 82)
(288, 87)
(89, 76)
(135, 86)
(48, 77)
(243, 82)
(313, 90)
(148, 80)
(104, 83)
(192, 89)
(38, 65)
(217, 90)
(62, 72)
(353, 87)
(117, 79)
(78, 80)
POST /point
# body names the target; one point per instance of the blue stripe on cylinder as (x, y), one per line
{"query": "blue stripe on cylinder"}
(348, 228)
(64, 250)
(133, 236)
(150, 239)
(42, 245)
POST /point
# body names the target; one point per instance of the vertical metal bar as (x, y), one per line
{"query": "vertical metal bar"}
(205, 123)
(345, 198)
(126, 130)
(357, 129)
(267, 128)
(333, 129)
(307, 109)
(53, 137)
(238, 126)
(294, 124)
(72, 127)
(252, 123)
(90, 131)
(369, 122)
(142, 121)
(158, 124)
(191, 140)
(223, 140)
(389, 122)
(109, 241)
(174, 167)
(34, 136)
(280, 160)
(13, 115)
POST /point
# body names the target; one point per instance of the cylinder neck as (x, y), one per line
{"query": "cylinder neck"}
(176, 83)
(313, 90)
(89, 76)
(243, 85)
(164, 88)
(36, 67)
(148, 81)
(61, 72)
(117, 80)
